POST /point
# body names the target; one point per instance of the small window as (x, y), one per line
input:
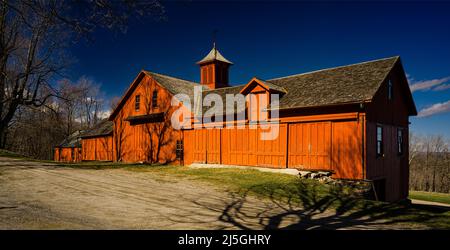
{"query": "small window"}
(137, 102)
(155, 99)
(390, 90)
(179, 150)
(379, 140)
(400, 141)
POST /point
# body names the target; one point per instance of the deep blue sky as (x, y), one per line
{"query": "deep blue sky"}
(277, 39)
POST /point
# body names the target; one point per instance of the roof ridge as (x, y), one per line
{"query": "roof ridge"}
(164, 75)
(337, 67)
(241, 85)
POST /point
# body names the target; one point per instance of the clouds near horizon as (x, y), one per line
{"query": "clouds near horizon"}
(425, 85)
(434, 109)
(436, 85)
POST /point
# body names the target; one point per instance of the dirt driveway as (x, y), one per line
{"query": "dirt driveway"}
(37, 195)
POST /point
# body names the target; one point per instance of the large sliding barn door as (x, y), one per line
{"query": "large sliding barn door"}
(195, 146)
(213, 141)
(202, 146)
(310, 145)
(246, 147)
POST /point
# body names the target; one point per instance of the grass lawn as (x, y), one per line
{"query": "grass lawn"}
(6, 153)
(430, 196)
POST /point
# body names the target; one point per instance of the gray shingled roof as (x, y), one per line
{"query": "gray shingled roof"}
(222, 92)
(103, 128)
(73, 141)
(214, 55)
(340, 85)
(176, 85)
(345, 84)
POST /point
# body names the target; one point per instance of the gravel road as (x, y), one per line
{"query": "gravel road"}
(35, 195)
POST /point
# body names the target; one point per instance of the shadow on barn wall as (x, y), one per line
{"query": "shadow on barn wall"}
(160, 147)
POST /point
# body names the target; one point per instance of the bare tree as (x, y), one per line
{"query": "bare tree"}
(114, 103)
(415, 146)
(429, 163)
(34, 131)
(34, 36)
(91, 102)
(81, 103)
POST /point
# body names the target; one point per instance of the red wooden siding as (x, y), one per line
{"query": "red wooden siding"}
(153, 141)
(391, 115)
(233, 146)
(310, 145)
(391, 167)
(347, 150)
(332, 146)
(97, 148)
(245, 147)
(213, 144)
(67, 154)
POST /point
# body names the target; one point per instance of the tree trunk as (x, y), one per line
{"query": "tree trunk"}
(2, 137)
(433, 185)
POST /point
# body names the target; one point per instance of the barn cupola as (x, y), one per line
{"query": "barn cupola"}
(214, 69)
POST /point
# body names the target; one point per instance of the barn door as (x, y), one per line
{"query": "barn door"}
(199, 145)
(298, 148)
(309, 145)
(213, 141)
(320, 145)
(202, 146)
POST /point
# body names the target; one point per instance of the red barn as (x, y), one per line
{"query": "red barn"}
(350, 120)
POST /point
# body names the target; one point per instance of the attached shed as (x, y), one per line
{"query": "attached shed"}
(97, 143)
(69, 150)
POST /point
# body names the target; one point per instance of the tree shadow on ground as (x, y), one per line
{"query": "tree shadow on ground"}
(309, 206)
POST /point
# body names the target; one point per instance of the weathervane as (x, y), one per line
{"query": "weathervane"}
(214, 33)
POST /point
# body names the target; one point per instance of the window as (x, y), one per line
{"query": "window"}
(379, 140)
(155, 99)
(390, 90)
(137, 102)
(400, 141)
(257, 105)
(179, 150)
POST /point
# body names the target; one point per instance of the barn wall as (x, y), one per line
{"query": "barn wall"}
(310, 145)
(97, 148)
(246, 147)
(326, 145)
(150, 141)
(391, 168)
(347, 149)
(394, 111)
(67, 154)
(55, 154)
